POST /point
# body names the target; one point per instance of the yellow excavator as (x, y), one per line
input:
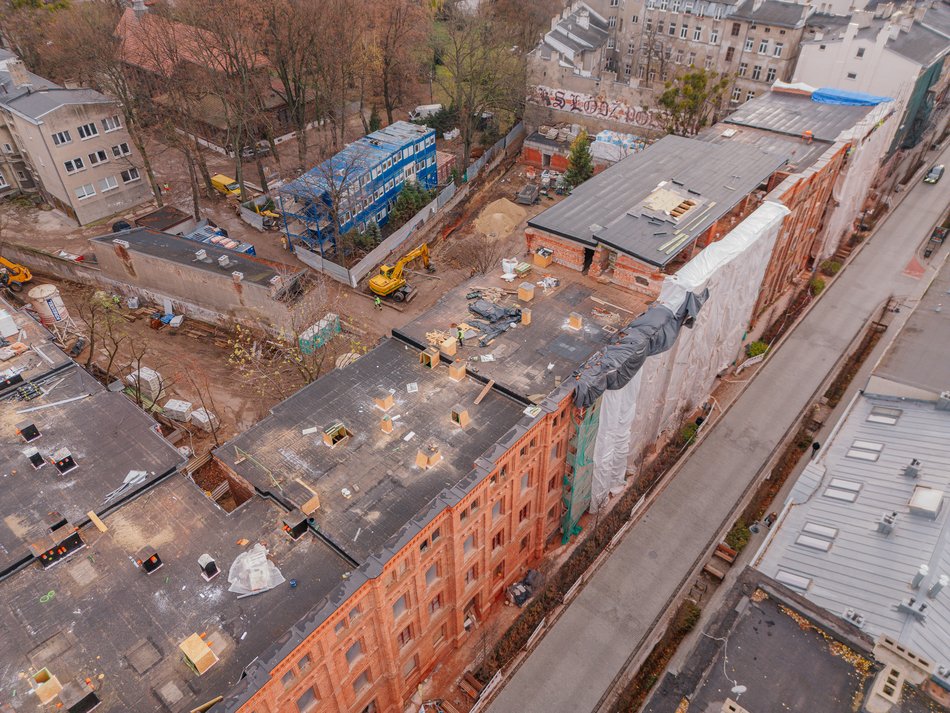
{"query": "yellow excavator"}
(390, 281)
(13, 276)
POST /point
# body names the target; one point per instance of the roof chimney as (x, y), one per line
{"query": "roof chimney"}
(943, 403)
(912, 470)
(922, 572)
(583, 18)
(457, 370)
(384, 401)
(886, 524)
(428, 456)
(460, 416)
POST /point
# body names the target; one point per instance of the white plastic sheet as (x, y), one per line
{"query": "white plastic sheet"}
(252, 573)
(675, 382)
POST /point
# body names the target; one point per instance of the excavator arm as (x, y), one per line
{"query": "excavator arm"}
(15, 275)
(390, 280)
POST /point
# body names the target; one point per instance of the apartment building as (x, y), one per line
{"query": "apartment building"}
(605, 62)
(70, 145)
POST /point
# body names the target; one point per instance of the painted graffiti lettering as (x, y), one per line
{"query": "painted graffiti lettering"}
(599, 107)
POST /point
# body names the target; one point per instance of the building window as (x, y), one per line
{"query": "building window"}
(121, 150)
(860, 52)
(22, 176)
(340, 627)
(757, 72)
(361, 682)
(770, 75)
(111, 123)
(436, 534)
(684, 32)
(525, 542)
(523, 513)
(3, 181)
(730, 53)
(777, 50)
(436, 603)
(672, 29)
(707, 64)
(614, 3)
(525, 481)
(664, 4)
(749, 44)
(641, 71)
(735, 29)
(660, 27)
(885, 415)
(307, 701)
(634, 19)
(469, 545)
(697, 33)
(354, 653)
(74, 165)
(472, 574)
(675, 5)
(627, 70)
(287, 680)
(498, 540)
(692, 59)
(736, 93)
(496, 510)
(764, 47)
(750, 95)
(355, 613)
(631, 47)
(649, 25)
(432, 574)
(552, 513)
(439, 636)
(97, 157)
(370, 708)
(304, 663)
(108, 184)
(61, 137)
(86, 191)
(411, 665)
(611, 22)
(611, 43)
(743, 66)
(405, 636)
(131, 174)
(718, 13)
(852, 75)
(679, 57)
(7, 148)
(87, 131)
(400, 606)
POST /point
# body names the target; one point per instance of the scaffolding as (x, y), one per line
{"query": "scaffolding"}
(580, 459)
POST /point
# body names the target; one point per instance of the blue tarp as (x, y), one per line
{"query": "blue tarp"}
(827, 95)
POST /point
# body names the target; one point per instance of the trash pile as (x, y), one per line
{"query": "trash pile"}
(498, 319)
(252, 573)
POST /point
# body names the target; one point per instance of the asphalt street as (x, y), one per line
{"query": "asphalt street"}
(578, 659)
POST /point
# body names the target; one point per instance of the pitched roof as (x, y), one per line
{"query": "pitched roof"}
(773, 12)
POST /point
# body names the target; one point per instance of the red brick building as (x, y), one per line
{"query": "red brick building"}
(651, 212)
(432, 480)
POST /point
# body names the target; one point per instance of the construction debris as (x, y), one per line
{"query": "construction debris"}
(252, 573)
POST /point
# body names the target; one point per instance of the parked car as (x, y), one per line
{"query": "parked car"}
(424, 111)
(226, 185)
(934, 174)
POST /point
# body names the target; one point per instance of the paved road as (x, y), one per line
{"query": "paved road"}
(578, 659)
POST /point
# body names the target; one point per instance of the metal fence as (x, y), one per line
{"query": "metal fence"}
(451, 193)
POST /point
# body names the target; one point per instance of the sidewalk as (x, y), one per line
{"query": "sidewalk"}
(617, 611)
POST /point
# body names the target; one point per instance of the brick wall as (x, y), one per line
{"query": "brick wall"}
(376, 648)
(565, 252)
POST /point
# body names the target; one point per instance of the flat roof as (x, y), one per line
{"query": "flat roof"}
(165, 217)
(531, 361)
(794, 114)
(918, 357)
(370, 487)
(97, 613)
(612, 207)
(800, 154)
(42, 355)
(773, 12)
(827, 545)
(182, 252)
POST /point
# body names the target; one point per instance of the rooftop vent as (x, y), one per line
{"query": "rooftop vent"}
(295, 524)
(935, 588)
(429, 357)
(943, 403)
(912, 470)
(428, 456)
(855, 617)
(201, 254)
(28, 431)
(386, 424)
(916, 609)
(64, 461)
(922, 572)
(460, 416)
(36, 460)
(121, 243)
(209, 569)
(149, 560)
(237, 276)
(335, 434)
(385, 401)
(729, 133)
(224, 260)
(926, 501)
(886, 524)
(457, 368)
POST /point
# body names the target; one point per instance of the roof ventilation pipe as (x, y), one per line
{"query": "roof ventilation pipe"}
(938, 585)
(922, 572)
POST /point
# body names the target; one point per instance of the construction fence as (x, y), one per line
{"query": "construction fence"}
(444, 201)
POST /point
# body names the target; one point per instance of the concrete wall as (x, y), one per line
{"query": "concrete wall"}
(47, 160)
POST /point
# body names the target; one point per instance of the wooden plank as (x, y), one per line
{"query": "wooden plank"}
(478, 399)
(609, 304)
(100, 525)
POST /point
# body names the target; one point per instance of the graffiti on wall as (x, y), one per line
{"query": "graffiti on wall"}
(597, 107)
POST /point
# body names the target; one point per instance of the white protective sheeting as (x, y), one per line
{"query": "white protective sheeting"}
(870, 140)
(675, 382)
(252, 573)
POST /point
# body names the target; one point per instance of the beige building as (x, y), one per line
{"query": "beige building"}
(606, 61)
(71, 145)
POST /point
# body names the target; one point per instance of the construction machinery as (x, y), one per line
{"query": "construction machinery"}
(13, 275)
(390, 281)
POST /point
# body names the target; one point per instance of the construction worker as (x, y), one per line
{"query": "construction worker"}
(378, 303)
(460, 337)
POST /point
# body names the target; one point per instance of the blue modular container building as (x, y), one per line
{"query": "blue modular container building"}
(358, 185)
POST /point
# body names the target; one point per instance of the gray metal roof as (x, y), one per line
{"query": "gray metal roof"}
(608, 208)
(919, 357)
(864, 569)
(920, 44)
(37, 104)
(571, 33)
(794, 114)
(800, 154)
(773, 12)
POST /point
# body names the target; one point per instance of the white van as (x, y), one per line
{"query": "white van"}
(424, 111)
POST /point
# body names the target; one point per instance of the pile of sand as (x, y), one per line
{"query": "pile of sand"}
(499, 218)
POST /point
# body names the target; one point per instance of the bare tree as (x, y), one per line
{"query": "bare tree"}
(399, 34)
(477, 252)
(481, 72)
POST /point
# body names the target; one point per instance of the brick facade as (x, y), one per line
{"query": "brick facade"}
(370, 655)
(533, 156)
(566, 253)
